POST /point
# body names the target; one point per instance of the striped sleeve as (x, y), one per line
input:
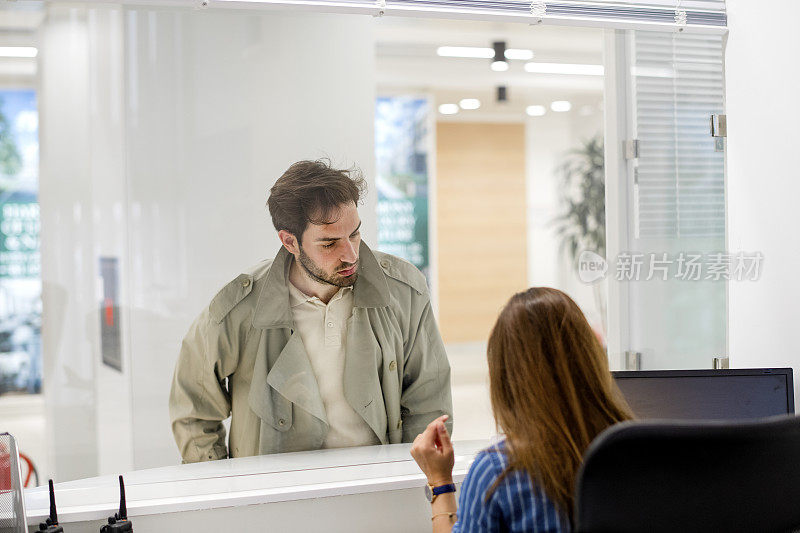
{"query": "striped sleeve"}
(474, 513)
(517, 505)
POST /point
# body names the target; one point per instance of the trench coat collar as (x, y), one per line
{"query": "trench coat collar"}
(274, 311)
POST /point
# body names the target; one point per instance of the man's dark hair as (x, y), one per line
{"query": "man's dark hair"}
(311, 192)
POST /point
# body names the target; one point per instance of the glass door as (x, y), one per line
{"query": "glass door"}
(667, 264)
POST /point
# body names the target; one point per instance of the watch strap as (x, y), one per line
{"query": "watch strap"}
(443, 489)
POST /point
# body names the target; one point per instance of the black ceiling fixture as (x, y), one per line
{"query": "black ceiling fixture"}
(499, 63)
(502, 94)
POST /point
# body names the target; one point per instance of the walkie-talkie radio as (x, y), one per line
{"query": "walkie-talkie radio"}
(119, 522)
(51, 524)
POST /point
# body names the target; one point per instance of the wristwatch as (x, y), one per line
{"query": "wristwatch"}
(432, 492)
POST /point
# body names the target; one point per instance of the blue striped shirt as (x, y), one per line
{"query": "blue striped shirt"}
(515, 505)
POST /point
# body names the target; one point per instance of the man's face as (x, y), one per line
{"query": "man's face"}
(329, 252)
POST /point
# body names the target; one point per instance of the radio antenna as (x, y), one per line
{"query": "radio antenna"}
(53, 513)
(123, 511)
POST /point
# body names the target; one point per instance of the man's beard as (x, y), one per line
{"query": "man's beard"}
(319, 275)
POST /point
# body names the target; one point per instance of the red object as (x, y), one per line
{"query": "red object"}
(31, 469)
(109, 312)
(5, 470)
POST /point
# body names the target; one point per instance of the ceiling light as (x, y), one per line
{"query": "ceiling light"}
(560, 106)
(564, 68)
(499, 62)
(483, 53)
(448, 109)
(502, 94)
(515, 53)
(536, 110)
(465, 51)
(469, 103)
(18, 51)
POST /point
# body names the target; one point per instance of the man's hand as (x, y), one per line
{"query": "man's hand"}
(433, 452)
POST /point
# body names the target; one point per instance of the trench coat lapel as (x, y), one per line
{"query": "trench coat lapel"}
(291, 374)
(272, 309)
(293, 377)
(371, 289)
(362, 386)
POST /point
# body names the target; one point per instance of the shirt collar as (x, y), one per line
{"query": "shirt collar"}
(298, 297)
(273, 309)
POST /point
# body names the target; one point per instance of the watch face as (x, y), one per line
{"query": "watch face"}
(428, 493)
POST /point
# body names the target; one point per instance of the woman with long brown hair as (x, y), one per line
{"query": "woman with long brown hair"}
(552, 394)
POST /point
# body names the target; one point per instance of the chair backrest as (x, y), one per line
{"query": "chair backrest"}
(692, 476)
(12, 502)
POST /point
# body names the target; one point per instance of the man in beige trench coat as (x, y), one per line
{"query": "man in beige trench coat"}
(329, 344)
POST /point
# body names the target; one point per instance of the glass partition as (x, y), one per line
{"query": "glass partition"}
(672, 260)
(163, 129)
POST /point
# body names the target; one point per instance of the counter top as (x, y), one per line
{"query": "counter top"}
(242, 481)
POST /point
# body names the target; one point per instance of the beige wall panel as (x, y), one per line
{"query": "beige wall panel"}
(480, 191)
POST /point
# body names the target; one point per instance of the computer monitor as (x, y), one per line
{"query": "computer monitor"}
(708, 394)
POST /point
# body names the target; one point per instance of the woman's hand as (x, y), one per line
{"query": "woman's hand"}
(433, 452)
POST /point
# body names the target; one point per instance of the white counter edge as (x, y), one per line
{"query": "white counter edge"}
(80, 513)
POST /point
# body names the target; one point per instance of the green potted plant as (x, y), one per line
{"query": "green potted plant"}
(582, 223)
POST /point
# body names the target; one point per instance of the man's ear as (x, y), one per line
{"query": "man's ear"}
(289, 241)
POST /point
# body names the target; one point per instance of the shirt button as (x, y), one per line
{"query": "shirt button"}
(385, 263)
(392, 365)
(330, 324)
(282, 422)
(245, 283)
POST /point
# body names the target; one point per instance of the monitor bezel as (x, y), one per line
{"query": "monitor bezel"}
(786, 372)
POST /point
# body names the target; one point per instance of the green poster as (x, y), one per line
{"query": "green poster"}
(401, 149)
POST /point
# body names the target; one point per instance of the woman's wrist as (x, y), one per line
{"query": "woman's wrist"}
(444, 503)
(438, 481)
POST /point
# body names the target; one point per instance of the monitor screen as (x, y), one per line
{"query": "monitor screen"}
(708, 394)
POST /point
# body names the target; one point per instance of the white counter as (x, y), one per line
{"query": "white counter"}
(349, 489)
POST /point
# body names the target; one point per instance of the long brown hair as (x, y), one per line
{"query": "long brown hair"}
(551, 389)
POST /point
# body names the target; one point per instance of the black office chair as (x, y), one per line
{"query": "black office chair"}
(692, 476)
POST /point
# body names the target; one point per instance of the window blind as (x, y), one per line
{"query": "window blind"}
(679, 181)
(632, 14)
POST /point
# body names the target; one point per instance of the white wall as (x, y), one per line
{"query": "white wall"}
(548, 140)
(162, 131)
(68, 280)
(762, 81)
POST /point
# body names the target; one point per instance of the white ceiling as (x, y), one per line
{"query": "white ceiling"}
(19, 22)
(406, 62)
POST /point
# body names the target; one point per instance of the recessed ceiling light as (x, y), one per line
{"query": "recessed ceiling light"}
(536, 110)
(18, 51)
(516, 53)
(499, 66)
(465, 51)
(482, 52)
(564, 68)
(448, 109)
(470, 103)
(560, 106)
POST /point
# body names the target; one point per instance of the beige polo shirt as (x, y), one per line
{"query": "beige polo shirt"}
(323, 329)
